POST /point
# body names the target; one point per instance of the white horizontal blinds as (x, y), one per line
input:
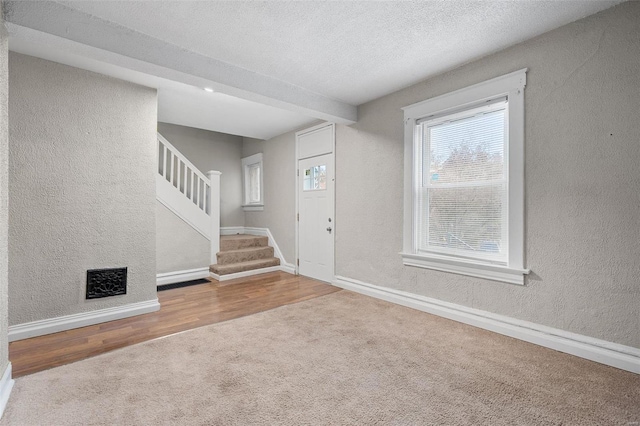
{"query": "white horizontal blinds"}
(254, 183)
(462, 205)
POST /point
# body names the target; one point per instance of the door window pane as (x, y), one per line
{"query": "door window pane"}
(315, 178)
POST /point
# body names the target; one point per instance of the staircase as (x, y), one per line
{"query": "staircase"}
(187, 192)
(241, 253)
(194, 197)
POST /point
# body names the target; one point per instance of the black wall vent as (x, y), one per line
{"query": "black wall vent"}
(106, 282)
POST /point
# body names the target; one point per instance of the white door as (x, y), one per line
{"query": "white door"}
(316, 226)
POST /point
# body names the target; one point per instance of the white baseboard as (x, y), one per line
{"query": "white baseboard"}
(182, 276)
(233, 230)
(613, 354)
(68, 322)
(6, 384)
(288, 268)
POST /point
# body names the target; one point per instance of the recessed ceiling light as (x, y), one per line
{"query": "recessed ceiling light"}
(208, 89)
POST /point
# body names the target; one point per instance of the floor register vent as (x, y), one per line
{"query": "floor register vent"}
(106, 282)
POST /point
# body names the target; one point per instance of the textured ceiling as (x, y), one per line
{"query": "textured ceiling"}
(178, 103)
(348, 50)
(298, 60)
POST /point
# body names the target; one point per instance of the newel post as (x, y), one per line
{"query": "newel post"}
(214, 209)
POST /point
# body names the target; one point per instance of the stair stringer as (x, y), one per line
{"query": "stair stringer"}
(182, 207)
(183, 189)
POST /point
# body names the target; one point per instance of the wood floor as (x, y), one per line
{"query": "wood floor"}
(181, 309)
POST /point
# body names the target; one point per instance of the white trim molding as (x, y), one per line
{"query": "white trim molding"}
(214, 212)
(613, 354)
(247, 163)
(289, 268)
(272, 242)
(511, 267)
(6, 385)
(83, 319)
(231, 230)
(253, 208)
(181, 276)
(313, 147)
(473, 269)
(169, 205)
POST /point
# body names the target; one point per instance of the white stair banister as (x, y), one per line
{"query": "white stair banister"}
(190, 194)
(182, 188)
(214, 209)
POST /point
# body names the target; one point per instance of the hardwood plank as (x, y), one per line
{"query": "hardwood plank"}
(181, 309)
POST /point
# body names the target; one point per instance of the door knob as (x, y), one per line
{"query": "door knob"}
(329, 229)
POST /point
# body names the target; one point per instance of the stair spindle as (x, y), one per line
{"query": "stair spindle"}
(167, 163)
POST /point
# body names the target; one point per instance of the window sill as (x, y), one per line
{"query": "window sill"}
(253, 208)
(469, 268)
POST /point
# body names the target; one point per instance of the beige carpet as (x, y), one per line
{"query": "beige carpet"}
(339, 359)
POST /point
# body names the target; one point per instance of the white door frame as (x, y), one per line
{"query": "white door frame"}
(297, 187)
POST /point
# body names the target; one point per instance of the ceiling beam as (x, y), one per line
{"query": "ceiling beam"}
(147, 54)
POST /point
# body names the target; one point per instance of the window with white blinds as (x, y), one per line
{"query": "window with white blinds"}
(462, 201)
(464, 181)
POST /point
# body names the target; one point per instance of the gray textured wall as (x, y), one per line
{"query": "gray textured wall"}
(4, 194)
(278, 157)
(179, 247)
(213, 151)
(252, 146)
(82, 150)
(582, 105)
(582, 149)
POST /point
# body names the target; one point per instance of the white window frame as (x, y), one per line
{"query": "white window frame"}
(512, 86)
(247, 162)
